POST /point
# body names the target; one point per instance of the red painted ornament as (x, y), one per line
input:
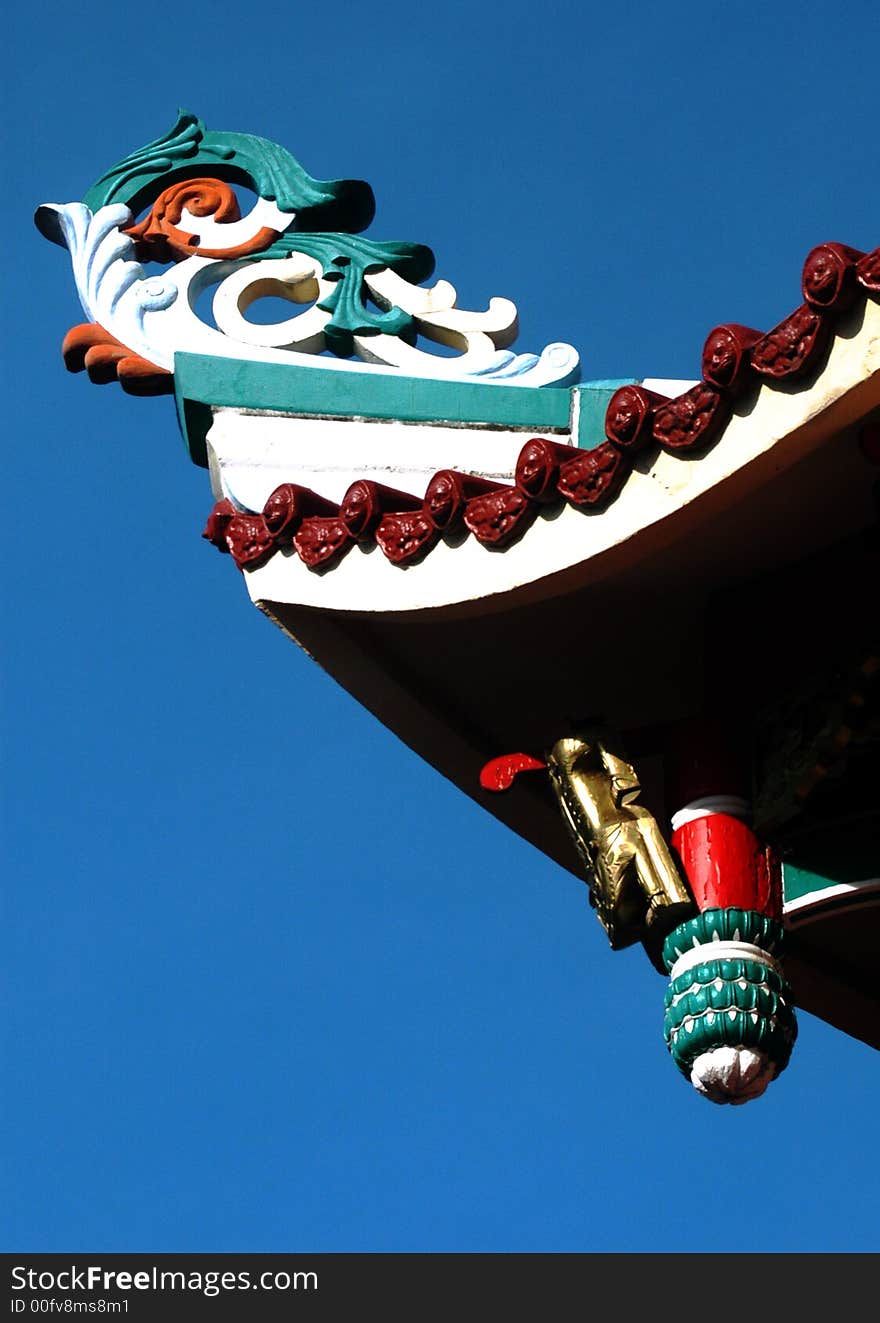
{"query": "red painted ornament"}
(322, 539)
(693, 420)
(829, 277)
(727, 867)
(496, 518)
(537, 468)
(727, 356)
(89, 348)
(405, 536)
(218, 522)
(158, 238)
(289, 505)
(448, 493)
(629, 417)
(592, 478)
(868, 271)
(793, 346)
(248, 539)
(365, 502)
(499, 773)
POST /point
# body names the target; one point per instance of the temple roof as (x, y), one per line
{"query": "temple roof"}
(640, 422)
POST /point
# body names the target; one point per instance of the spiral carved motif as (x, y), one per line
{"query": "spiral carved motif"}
(159, 238)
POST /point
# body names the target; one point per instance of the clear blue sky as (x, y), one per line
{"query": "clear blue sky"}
(270, 982)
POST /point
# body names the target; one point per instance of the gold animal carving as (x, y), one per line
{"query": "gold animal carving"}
(634, 882)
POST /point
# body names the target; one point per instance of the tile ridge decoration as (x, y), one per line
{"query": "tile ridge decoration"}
(172, 205)
(735, 359)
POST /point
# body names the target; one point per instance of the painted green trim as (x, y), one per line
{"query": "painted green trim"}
(594, 397)
(800, 882)
(797, 882)
(194, 419)
(202, 379)
(346, 259)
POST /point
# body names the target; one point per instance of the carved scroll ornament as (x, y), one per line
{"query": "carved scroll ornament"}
(360, 300)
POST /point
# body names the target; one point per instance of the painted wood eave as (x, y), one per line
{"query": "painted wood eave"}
(204, 381)
(667, 497)
(833, 930)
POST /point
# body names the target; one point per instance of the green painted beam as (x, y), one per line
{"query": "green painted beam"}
(202, 381)
(800, 882)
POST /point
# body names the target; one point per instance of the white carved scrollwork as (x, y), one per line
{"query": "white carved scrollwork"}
(299, 279)
(155, 314)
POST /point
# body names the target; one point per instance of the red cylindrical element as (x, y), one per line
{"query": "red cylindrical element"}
(727, 867)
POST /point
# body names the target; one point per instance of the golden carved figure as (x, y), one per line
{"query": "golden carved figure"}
(634, 882)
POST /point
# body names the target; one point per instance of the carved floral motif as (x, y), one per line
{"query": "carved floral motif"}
(500, 516)
(406, 536)
(691, 421)
(794, 345)
(592, 478)
(320, 539)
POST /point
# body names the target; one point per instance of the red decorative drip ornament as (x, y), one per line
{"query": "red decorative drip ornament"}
(500, 773)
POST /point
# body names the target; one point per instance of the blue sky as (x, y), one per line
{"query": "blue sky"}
(271, 983)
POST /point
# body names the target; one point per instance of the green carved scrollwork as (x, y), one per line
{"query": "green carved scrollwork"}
(188, 147)
(347, 205)
(346, 260)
